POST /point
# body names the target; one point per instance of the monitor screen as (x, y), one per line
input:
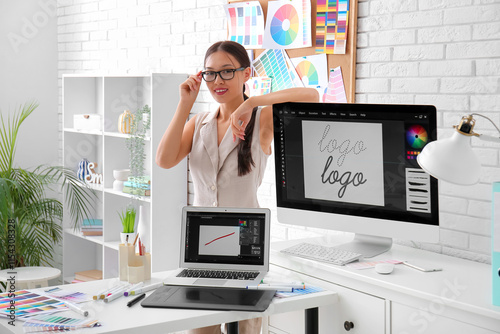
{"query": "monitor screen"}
(355, 161)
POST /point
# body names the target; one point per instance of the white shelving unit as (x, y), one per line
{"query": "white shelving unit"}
(109, 96)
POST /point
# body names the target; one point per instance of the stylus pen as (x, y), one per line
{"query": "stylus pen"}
(267, 287)
(146, 288)
(136, 299)
(78, 310)
(420, 268)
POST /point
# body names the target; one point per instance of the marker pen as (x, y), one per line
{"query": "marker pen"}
(268, 287)
(146, 288)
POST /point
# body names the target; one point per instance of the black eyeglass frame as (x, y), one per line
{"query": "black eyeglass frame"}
(218, 73)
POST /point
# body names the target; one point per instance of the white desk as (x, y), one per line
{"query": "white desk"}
(116, 317)
(455, 300)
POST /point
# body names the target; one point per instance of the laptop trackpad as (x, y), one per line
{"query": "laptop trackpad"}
(210, 282)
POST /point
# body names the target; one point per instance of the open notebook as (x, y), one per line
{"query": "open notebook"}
(223, 247)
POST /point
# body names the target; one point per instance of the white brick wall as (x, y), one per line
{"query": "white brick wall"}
(409, 51)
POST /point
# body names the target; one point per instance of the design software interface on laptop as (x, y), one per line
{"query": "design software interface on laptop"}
(225, 244)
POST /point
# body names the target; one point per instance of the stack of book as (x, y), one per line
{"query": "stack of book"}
(92, 227)
(140, 186)
(87, 276)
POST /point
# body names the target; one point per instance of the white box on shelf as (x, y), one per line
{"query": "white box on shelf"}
(87, 122)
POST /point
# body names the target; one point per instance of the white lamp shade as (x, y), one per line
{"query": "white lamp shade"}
(451, 160)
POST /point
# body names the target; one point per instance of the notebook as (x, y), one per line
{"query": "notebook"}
(223, 247)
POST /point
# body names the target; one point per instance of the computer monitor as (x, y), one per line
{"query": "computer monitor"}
(353, 168)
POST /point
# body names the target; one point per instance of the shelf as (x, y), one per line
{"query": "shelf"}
(84, 132)
(98, 239)
(120, 193)
(122, 135)
(112, 244)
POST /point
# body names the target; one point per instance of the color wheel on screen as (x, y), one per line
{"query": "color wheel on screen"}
(307, 73)
(285, 25)
(416, 136)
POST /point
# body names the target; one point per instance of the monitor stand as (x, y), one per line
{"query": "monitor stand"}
(368, 245)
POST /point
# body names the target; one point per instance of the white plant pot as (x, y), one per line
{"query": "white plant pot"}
(123, 237)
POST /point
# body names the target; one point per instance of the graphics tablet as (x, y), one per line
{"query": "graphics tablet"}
(209, 298)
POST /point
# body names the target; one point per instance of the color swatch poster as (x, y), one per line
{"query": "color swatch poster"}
(335, 91)
(343, 162)
(29, 304)
(313, 71)
(245, 22)
(275, 64)
(288, 24)
(331, 26)
(258, 86)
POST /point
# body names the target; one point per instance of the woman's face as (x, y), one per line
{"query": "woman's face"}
(226, 91)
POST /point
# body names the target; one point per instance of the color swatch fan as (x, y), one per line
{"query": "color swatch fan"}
(416, 136)
(288, 25)
(308, 73)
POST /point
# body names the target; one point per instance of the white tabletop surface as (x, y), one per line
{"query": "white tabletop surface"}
(117, 317)
(30, 274)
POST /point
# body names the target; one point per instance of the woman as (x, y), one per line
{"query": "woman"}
(228, 148)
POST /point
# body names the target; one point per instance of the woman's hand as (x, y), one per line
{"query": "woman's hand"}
(240, 118)
(189, 89)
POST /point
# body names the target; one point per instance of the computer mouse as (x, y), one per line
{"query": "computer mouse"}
(384, 268)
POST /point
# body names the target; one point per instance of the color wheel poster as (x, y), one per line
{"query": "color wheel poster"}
(288, 25)
(343, 162)
(313, 71)
(245, 22)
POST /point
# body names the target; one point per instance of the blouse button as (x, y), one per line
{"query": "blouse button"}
(214, 204)
(213, 187)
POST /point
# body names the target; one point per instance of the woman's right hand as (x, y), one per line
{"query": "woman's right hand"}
(190, 88)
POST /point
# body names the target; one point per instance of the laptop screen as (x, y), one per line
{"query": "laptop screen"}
(225, 238)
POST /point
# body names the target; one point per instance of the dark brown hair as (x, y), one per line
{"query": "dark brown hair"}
(245, 160)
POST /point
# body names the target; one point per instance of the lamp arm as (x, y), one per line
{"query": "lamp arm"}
(489, 119)
(489, 138)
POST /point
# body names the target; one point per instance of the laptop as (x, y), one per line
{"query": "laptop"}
(223, 247)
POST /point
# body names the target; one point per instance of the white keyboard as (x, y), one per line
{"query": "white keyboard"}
(322, 253)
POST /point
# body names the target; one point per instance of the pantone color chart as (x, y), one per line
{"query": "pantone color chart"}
(28, 304)
(257, 86)
(47, 323)
(336, 90)
(245, 23)
(331, 26)
(272, 63)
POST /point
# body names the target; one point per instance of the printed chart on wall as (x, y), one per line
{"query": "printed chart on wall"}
(335, 92)
(312, 70)
(275, 64)
(343, 162)
(245, 22)
(219, 240)
(332, 26)
(257, 86)
(288, 24)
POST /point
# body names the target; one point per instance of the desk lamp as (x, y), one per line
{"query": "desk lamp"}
(453, 160)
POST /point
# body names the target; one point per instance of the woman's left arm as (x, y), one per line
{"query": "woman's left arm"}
(241, 116)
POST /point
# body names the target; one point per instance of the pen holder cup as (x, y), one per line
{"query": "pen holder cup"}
(135, 274)
(125, 252)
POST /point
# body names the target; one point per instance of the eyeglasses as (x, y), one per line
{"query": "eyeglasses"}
(210, 76)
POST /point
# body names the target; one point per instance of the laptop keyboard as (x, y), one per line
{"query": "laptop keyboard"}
(222, 274)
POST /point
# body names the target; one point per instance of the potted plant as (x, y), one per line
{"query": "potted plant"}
(141, 123)
(30, 220)
(128, 221)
